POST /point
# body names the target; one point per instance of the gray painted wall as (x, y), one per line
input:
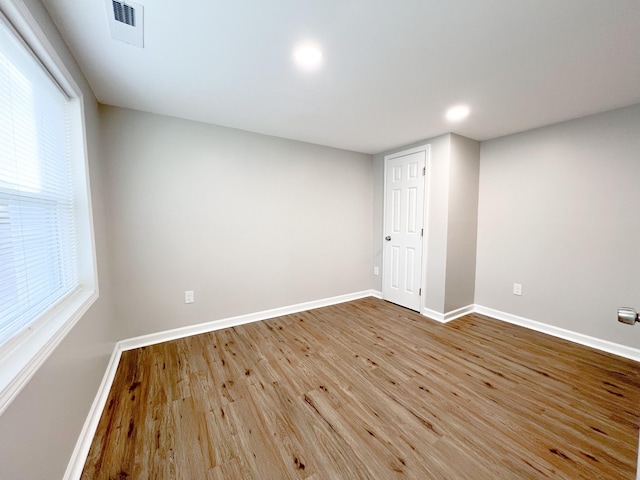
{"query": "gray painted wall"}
(38, 431)
(249, 222)
(437, 220)
(559, 213)
(464, 173)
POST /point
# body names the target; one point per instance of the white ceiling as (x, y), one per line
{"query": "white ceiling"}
(391, 67)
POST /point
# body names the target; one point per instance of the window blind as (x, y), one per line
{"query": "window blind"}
(38, 240)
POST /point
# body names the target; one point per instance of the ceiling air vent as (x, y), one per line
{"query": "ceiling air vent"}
(126, 22)
(124, 13)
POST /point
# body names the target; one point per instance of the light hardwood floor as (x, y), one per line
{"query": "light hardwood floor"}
(367, 389)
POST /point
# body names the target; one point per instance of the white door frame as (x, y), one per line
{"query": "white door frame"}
(425, 221)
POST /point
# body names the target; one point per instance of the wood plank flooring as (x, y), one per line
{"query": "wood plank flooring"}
(369, 390)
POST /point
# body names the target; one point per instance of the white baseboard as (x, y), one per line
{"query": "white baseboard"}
(153, 338)
(447, 317)
(433, 315)
(81, 450)
(604, 345)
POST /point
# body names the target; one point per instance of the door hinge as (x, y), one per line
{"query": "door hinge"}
(422, 232)
(420, 292)
(424, 171)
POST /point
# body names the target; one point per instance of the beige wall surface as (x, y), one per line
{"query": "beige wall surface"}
(464, 172)
(378, 220)
(249, 222)
(437, 198)
(38, 431)
(559, 213)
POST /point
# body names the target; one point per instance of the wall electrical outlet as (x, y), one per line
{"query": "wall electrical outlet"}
(376, 270)
(517, 289)
(189, 297)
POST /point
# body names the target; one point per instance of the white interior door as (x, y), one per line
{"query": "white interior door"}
(403, 227)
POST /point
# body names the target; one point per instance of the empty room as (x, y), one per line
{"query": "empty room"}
(319, 239)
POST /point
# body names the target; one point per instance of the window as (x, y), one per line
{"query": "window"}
(47, 272)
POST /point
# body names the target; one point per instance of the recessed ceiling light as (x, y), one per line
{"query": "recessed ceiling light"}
(308, 57)
(457, 113)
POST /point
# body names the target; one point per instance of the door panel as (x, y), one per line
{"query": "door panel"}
(395, 267)
(403, 224)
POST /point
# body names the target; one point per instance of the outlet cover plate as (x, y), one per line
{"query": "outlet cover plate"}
(188, 296)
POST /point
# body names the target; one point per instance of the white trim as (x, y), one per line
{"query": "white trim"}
(638, 462)
(19, 363)
(153, 338)
(433, 315)
(604, 345)
(459, 312)
(17, 367)
(579, 338)
(449, 316)
(81, 450)
(425, 225)
(37, 42)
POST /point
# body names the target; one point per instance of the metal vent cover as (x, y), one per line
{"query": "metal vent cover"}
(126, 21)
(124, 13)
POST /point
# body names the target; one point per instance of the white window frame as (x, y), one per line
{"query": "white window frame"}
(23, 355)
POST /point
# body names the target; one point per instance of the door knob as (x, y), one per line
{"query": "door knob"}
(388, 238)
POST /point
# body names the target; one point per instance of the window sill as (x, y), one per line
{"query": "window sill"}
(21, 362)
